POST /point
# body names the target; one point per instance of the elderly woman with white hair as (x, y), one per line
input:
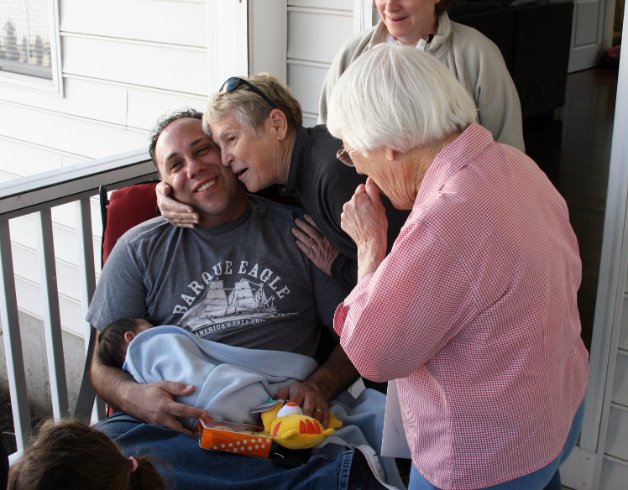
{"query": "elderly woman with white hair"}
(473, 312)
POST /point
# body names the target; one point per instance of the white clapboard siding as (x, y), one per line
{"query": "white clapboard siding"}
(70, 309)
(614, 474)
(617, 442)
(172, 22)
(65, 216)
(620, 385)
(346, 5)
(28, 229)
(6, 176)
(27, 268)
(623, 334)
(163, 66)
(306, 80)
(68, 160)
(80, 137)
(64, 219)
(19, 159)
(316, 30)
(30, 272)
(316, 35)
(86, 98)
(145, 106)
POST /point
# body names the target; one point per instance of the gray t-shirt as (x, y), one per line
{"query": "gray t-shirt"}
(244, 283)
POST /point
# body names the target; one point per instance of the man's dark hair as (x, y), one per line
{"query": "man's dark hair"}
(165, 121)
(112, 347)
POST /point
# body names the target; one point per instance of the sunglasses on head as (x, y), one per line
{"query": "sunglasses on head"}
(343, 156)
(233, 83)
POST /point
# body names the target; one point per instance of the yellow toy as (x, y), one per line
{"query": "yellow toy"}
(289, 428)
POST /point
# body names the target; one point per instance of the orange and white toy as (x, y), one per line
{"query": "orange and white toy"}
(289, 428)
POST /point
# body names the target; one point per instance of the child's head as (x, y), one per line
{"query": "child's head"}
(115, 337)
(72, 455)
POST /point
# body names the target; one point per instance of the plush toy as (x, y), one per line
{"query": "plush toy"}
(289, 428)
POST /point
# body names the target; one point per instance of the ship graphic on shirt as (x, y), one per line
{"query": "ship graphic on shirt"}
(244, 303)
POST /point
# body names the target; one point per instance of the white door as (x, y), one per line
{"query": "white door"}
(590, 20)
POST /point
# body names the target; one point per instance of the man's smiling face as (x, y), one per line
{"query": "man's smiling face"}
(190, 162)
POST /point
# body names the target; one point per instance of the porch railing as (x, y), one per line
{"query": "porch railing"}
(39, 194)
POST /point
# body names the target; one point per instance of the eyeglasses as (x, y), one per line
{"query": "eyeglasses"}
(233, 83)
(343, 155)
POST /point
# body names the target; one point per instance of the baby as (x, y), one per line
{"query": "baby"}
(228, 380)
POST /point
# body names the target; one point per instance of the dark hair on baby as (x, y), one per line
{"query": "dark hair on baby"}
(111, 348)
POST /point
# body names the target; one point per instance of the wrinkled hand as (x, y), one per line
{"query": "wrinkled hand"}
(364, 219)
(177, 213)
(313, 244)
(309, 397)
(155, 403)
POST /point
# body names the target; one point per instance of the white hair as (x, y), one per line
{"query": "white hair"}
(399, 97)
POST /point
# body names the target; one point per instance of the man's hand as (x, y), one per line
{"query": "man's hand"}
(177, 213)
(313, 244)
(324, 384)
(309, 397)
(155, 403)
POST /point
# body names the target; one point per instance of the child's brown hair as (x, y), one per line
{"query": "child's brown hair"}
(72, 455)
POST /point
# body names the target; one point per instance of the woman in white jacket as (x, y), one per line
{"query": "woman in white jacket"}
(471, 57)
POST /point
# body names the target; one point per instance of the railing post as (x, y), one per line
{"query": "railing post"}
(52, 319)
(87, 270)
(12, 341)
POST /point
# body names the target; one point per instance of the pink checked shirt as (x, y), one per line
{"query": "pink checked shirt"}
(474, 314)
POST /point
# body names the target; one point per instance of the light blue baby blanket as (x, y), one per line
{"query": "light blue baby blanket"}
(229, 380)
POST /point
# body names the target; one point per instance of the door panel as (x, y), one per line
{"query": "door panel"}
(587, 36)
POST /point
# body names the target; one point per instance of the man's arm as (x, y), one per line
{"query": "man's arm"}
(153, 403)
(324, 384)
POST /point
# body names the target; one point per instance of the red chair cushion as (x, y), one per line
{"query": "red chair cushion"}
(127, 207)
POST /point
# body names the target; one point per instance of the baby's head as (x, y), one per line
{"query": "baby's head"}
(115, 338)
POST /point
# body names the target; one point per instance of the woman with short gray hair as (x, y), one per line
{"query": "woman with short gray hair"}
(440, 105)
(474, 311)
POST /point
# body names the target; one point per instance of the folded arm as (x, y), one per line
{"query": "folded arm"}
(153, 403)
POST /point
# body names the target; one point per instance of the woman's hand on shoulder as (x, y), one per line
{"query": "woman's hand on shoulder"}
(313, 244)
(175, 212)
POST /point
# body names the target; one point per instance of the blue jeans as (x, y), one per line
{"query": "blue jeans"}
(547, 478)
(184, 465)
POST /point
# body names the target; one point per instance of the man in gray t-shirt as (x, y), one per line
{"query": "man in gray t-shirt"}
(236, 278)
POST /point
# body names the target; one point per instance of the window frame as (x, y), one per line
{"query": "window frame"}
(29, 82)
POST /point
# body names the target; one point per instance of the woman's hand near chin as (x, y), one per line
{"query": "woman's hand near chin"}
(175, 212)
(364, 220)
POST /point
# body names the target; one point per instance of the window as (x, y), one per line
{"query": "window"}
(29, 43)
